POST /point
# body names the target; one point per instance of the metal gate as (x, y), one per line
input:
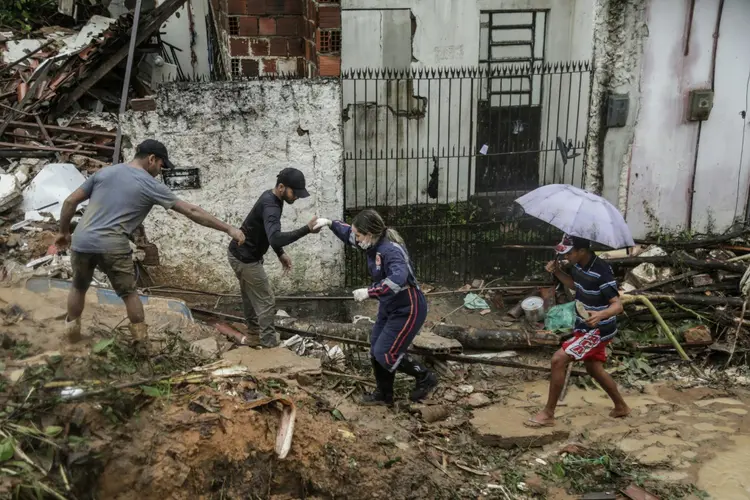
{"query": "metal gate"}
(442, 154)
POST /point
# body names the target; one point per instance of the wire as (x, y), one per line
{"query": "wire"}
(742, 146)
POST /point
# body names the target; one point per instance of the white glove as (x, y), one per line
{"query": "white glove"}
(322, 222)
(361, 294)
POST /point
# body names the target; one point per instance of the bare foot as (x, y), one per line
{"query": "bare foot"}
(620, 412)
(541, 419)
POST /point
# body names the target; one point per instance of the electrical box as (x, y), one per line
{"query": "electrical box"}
(617, 110)
(700, 103)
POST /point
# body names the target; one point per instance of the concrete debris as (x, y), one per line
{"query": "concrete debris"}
(648, 274)
(331, 357)
(206, 347)
(477, 400)
(10, 194)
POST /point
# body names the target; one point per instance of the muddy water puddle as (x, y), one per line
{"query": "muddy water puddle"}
(727, 475)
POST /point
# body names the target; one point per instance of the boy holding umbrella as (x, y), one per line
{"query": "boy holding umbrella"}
(597, 306)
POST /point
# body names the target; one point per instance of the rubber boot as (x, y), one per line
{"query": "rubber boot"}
(383, 394)
(139, 331)
(426, 381)
(73, 330)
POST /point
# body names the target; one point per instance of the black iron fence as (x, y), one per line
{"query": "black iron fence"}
(442, 154)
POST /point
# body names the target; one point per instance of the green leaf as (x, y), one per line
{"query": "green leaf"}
(102, 345)
(337, 414)
(7, 449)
(151, 391)
(53, 430)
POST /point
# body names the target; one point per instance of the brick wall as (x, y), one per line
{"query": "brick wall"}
(264, 37)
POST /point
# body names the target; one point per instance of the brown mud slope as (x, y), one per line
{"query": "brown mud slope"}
(173, 452)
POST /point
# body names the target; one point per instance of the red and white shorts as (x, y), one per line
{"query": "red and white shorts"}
(586, 346)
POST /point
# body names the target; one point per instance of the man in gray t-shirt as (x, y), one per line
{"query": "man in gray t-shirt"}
(120, 197)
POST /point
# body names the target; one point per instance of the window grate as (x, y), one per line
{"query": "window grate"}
(330, 41)
(512, 38)
(236, 73)
(234, 26)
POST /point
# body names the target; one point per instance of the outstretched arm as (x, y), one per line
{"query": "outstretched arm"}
(200, 216)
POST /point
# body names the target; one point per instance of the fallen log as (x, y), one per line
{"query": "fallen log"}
(698, 243)
(677, 260)
(496, 340)
(701, 300)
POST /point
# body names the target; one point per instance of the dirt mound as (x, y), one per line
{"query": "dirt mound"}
(171, 451)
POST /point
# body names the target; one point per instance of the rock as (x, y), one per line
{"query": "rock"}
(205, 347)
(90, 165)
(702, 280)
(654, 251)
(647, 273)
(477, 399)
(274, 361)
(13, 241)
(434, 413)
(504, 427)
(698, 335)
(450, 396)
(465, 389)
(16, 375)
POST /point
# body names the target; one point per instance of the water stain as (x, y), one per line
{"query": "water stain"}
(707, 426)
(726, 475)
(629, 445)
(736, 411)
(720, 401)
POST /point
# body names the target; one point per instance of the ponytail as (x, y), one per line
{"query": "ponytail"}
(393, 235)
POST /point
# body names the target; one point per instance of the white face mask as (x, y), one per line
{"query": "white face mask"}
(364, 245)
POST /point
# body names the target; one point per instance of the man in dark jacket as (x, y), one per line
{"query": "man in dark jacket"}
(262, 229)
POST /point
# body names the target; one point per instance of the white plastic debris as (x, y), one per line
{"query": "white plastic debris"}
(50, 187)
(359, 318)
(71, 392)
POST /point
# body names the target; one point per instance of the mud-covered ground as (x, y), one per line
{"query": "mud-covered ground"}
(172, 438)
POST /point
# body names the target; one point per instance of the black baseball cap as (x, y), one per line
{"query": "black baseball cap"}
(156, 148)
(294, 179)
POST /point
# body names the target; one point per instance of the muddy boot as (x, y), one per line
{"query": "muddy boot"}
(139, 331)
(426, 381)
(73, 330)
(383, 394)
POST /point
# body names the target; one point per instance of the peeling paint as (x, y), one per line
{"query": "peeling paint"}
(240, 135)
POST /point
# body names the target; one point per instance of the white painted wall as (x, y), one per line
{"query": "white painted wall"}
(240, 135)
(665, 144)
(447, 35)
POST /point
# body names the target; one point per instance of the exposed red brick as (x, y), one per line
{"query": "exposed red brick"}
(278, 47)
(275, 6)
(256, 6)
(259, 47)
(330, 66)
(287, 26)
(267, 26)
(250, 67)
(238, 47)
(237, 7)
(329, 17)
(294, 7)
(269, 66)
(296, 47)
(248, 26)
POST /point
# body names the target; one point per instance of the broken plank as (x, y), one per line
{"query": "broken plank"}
(158, 17)
(12, 145)
(70, 130)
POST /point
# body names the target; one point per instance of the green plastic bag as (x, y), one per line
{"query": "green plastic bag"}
(561, 318)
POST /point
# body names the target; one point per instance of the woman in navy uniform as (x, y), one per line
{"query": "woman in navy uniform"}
(402, 309)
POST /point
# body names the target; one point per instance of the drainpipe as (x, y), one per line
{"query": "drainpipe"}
(717, 26)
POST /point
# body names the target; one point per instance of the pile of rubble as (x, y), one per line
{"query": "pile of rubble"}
(49, 79)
